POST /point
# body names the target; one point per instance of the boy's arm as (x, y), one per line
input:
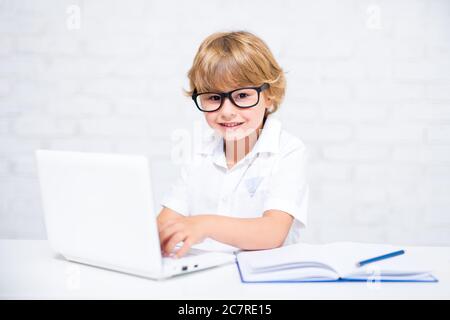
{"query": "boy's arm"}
(265, 232)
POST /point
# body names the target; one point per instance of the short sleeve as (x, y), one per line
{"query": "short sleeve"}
(288, 189)
(177, 197)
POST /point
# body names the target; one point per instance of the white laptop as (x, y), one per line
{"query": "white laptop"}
(99, 211)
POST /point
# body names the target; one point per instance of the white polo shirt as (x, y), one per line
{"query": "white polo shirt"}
(271, 176)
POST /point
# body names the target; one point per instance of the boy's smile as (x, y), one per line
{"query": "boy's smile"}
(231, 125)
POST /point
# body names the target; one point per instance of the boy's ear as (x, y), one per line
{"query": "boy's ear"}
(269, 108)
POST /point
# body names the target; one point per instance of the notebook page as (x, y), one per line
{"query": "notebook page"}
(299, 274)
(299, 261)
(345, 255)
(281, 256)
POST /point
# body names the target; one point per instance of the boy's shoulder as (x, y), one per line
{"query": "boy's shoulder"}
(289, 143)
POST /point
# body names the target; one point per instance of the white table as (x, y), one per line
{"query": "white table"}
(30, 270)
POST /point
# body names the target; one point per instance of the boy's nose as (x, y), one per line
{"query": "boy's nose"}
(228, 108)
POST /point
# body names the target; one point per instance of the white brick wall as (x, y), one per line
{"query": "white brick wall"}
(368, 92)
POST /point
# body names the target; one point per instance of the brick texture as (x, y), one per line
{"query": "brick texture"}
(368, 91)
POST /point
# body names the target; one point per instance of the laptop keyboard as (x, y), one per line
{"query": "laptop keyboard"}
(191, 253)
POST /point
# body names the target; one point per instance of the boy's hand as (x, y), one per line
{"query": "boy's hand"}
(190, 230)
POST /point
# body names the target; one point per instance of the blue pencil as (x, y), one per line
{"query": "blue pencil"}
(385, 256)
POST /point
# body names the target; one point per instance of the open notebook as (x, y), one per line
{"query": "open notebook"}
(330, 262)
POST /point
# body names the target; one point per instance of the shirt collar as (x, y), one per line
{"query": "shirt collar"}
(268, 141)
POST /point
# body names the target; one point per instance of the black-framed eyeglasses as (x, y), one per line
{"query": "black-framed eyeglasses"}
(245, 97)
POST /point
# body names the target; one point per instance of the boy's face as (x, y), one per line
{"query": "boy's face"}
(248, 119)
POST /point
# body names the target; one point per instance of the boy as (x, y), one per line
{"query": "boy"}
(248, 189)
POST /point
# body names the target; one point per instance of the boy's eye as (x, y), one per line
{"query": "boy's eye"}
(214, 98)
(244, 95)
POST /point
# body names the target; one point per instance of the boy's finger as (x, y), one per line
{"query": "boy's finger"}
(168, 233)
(184, 249)
(172, 242)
